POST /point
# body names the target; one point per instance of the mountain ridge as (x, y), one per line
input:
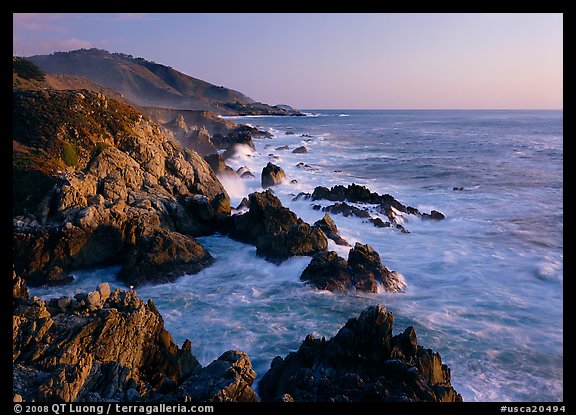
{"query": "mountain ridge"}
(150, 84)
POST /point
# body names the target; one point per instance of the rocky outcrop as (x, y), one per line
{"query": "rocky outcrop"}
(363, 362)
(19, 290)
(95, 347)
(130, 180)
(199, 140)
(272, 175)
(111, 346)
(363, 271)
(217, 163)
(163, 257)
(346, 210)
(328, 271)
(385, 204)
(227, 379)
(327, 225)
(276, 232)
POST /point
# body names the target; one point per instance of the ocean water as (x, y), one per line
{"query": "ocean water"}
(484, 286)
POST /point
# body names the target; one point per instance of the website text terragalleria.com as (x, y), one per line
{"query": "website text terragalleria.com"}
(148, 409)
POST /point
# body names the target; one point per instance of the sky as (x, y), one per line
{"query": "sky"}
(333, 60)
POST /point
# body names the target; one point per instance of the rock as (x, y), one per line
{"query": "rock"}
(346, 210)
(301, 195)
(458, 188)
(216, 162)
(434, 215)
(247, 175)
(327, 225)
(289, 133)
(294, 181)
(199, 140)
(19, 290)
(93, 301)
(300, 150)
(70, 356)
(360, 194)
(64, 303)
(130, 179)
(132, 395)
(276, 232)
(17, 398)
(379, 223)
(328, 271)
(272, 175)
(367, 269)
(227, 379)
(282, 148)
(363, 272)
(163, 257)
(104, 290)
(362, 362)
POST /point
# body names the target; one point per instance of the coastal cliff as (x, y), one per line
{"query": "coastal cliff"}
(97, 183)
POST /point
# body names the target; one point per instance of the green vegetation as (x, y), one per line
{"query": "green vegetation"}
(70, 154)
(27, 70)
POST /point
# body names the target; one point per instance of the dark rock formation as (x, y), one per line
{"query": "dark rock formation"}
(363, 271)
(227, 379)
(276, 232)
(300, 150)
(242, 134)
(356, 193)
(282, 148)
(328, 271)
(327, 225)
(241, 170)
(346, 210)
(272, 175)
(367, 269)
(434, 215)
(386, 204)
(216, 162)
(379, 223)
(104, 346)
(163, 257)
(363, 362)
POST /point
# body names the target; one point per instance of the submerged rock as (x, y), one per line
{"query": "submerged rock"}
(300, 150)
(272, 175)
(434, 215)
(276, 232)
(362, 362)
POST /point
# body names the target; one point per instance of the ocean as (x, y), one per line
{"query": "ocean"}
(484, 286)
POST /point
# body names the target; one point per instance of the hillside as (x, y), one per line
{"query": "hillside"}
(151, 84)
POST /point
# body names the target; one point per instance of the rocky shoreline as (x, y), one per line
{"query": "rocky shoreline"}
(108, 346)
(98, 183)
